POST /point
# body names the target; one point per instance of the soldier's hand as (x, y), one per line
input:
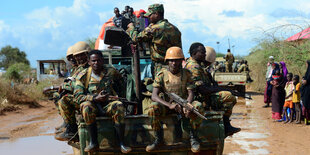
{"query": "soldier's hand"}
(101, 97)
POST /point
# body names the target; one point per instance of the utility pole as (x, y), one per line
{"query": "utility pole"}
(228, 43)
(218, 46)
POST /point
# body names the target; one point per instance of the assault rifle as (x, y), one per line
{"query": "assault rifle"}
(233, 92)
(125, 102)
(183, 103)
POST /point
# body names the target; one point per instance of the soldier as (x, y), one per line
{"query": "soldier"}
(245, 68)
(93, 86)
(242, 67)
(209, 94)
(56, 95)
(67, 105)
(229, 61)
(176, 80)
(159, 35)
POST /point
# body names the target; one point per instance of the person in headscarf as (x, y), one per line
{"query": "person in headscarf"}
(283, 69)
(305, 93)
(278, 95)
(268, 89)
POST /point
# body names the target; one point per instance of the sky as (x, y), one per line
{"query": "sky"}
(45, 29)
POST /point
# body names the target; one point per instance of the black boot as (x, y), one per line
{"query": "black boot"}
(195, 145)
(69, 132)
(159, 140)
(120, 131)
(93, 141)
(267, 105)
(229, 130)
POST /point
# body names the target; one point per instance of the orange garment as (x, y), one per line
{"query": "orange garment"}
(296, 96)
(288, 104)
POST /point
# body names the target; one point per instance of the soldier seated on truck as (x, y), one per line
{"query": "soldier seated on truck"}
(174, 79)
(209, 94)
(92, 89)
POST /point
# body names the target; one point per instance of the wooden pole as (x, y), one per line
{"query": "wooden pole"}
(137, 74)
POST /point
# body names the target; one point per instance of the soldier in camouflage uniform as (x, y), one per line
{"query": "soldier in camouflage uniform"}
(93, 86)
(66, 104)
(176, 80)
(209, 94)
(159, 35)
(57, 95)
(230, 59)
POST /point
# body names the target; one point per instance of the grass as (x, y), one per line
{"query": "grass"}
(11, 97)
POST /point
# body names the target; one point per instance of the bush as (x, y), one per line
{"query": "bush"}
(17, 72)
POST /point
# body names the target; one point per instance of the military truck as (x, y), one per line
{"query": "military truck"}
(138, 132)
(233, 80)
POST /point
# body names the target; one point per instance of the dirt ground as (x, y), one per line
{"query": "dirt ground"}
(259, 134)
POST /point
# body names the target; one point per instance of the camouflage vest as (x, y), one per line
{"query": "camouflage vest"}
(175, 84)
(95, 86)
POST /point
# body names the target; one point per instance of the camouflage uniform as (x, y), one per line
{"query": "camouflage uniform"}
(178, 84)
(84, 96)
(229, 62)
(67, 106)
(159, 37)
(222, 100)
(242, 68)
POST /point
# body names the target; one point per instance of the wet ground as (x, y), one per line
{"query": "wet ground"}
(252, 139)
(30, 131)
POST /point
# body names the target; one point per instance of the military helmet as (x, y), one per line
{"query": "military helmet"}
(210, 54)
(174, 53)
(81, 47)
(70, 51)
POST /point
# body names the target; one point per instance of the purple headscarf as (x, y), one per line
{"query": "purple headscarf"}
(284, 69)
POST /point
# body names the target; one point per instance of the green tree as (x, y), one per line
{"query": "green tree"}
(9, 56)
(91, 42)
(17, 71)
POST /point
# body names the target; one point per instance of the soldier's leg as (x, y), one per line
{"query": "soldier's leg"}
(156, 110)
(89, 113)
(67, 111)
(230, 67)
(226, 67)
(225, 101)
(116, 109)
(195, 123)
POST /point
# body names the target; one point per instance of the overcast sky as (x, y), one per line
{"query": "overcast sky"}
(44, 29)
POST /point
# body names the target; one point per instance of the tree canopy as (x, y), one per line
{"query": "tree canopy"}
(10, 55)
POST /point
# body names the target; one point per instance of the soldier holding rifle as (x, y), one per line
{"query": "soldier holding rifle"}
(208, 93)
(93, 86)
(176, 80)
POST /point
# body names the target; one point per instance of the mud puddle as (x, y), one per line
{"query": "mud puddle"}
(252, 139)
(35, 146)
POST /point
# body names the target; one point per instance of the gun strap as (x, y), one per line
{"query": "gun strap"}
(89, 70)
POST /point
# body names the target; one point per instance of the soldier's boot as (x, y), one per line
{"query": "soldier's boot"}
(69, 132)
(93, 141)
(159, 140)
(229, 129)
(120, 131)
(60, 128)
(195, 145)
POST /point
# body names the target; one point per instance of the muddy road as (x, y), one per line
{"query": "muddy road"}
(30, 131)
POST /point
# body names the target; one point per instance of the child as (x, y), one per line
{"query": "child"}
(289, 88)
(296, 98)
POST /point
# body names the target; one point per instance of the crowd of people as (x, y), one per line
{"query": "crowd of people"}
(288, 93)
